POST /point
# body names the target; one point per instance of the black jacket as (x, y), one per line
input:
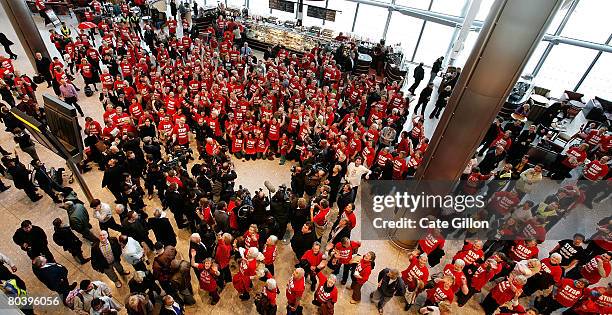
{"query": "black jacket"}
(388, 290)
(65, 238)
(302, 242)
(98, 261)
(425, 94)
(36, 238)
(419, 73)
(21, 176)
(42, 67)
(162, 230)
(113, 178)
(53, 276)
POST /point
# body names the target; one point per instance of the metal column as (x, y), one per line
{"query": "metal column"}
(509, 36)
(384, 36)
(355, 18)
(23, 23)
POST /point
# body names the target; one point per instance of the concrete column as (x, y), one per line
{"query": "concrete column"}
(509, 36)
(22, 21)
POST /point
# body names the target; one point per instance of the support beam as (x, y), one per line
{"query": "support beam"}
(23, 23)
(384, 36)
(511, 33)
(355, 18)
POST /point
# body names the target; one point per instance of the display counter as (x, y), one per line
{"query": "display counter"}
(59, 7)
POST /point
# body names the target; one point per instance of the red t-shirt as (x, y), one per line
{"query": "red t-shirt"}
(469, 255)
(295, 289)
(364, 268)
(567, 293)
(269, 253)
(503, 293)
(415, 272)
(520, 251)
(182, 134)
(590, 271)
(346, 253)
(438, 293)
(222, 255)
(321, 295)
(431, 242)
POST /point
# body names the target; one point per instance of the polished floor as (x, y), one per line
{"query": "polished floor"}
(15, 207)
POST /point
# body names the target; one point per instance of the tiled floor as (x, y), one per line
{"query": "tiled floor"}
(15, 207)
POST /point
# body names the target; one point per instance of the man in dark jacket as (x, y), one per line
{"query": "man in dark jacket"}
(23, 139)
(33, 240)
(280, 208)
(424, 98)
(112, 180)
(21, 179)
(46, 183)
(435, 68)
(136, 229)
(64, 237)
(53, 275)
(176, 202)
(419, 74)
(42, 67)
(162, 229)
(390, 284)
(492, 159)
(303, 239)
(106, 257)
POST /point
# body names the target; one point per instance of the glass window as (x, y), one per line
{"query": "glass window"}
(417, 4)
(452, 7)
(259, 7)
(345, 14)
(371, 22)
(485, 8)
(599, 81)
(404, 30)
(468, 45)
(535, 57)
(563, 68)
(434, 43)
(590, 21)
(236, 3)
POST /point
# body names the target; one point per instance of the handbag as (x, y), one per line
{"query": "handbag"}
(38, 79)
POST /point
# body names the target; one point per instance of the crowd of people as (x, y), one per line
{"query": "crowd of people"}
(181, 105)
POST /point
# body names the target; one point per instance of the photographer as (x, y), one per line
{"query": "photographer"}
(152, 146)
(226, 178)
(298, 181)
(280, 208)
(154, 178)
(260, 203)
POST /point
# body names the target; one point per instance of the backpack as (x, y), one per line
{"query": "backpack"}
(71, 296)
(88, 91)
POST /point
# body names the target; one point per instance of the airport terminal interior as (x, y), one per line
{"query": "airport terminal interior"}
(241, 156)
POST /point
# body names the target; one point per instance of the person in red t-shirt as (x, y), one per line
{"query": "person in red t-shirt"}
(343, 253)
(432, 244)
(361, 275)
(295, 290)
(480, 276)
(326, 293)
(180, 134)
(223, 256)
(594, 270)
(574, 157)
(592, 173)
(208, 274)
(247, 267)
(442, 291)
(502, 293)
(415, 276)
(598, 301)
(269, 252)
(566, 294)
